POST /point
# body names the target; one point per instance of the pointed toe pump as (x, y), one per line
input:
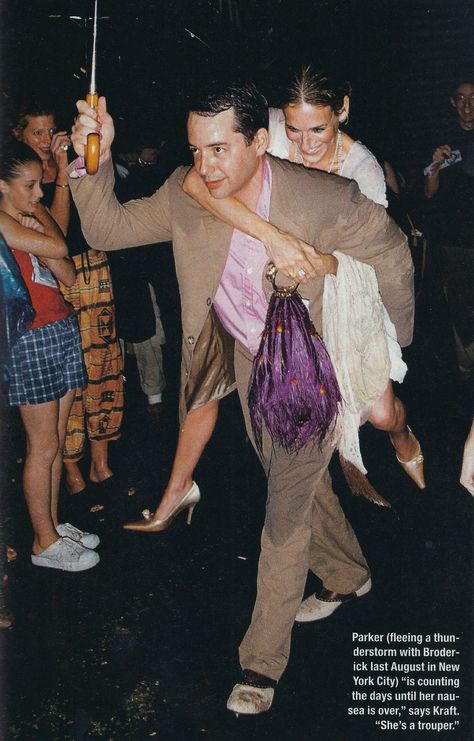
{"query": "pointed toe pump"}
(153, 524)
(414, 468)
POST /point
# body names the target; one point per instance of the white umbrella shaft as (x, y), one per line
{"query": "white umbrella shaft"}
(93, 88)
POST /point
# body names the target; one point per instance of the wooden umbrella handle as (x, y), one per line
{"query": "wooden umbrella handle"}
(92, 148)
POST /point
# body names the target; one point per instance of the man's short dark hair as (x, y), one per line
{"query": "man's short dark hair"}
(250, 107)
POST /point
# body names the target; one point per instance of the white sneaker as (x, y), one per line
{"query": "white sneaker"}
(67, 555)
(315, 608)
(88, 540)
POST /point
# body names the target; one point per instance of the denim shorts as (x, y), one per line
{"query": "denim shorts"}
(46, 362)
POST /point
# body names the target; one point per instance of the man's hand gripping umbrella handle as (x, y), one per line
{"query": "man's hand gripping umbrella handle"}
(92, 148)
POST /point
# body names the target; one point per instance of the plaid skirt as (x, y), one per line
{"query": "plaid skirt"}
(46, 363)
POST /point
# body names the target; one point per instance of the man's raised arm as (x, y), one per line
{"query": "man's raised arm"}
(107, 224)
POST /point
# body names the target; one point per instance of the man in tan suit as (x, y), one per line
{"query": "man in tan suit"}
(305, 527)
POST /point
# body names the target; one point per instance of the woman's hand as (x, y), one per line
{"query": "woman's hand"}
(296, 258)
(31, 223)
(59, 146)
(36, 233)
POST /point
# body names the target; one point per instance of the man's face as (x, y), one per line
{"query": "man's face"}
(222, 157)
(463, 102)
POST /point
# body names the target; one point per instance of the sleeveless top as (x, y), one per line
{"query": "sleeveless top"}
(45, 295)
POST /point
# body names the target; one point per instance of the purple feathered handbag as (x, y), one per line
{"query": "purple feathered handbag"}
(293, 388)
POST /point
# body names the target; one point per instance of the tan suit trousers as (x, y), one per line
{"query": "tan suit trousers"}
(305, 528)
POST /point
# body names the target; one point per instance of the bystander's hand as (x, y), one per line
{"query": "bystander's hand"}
(432, 180)
(31, 223)
(59, 146)
(441, 153)
(467, 471)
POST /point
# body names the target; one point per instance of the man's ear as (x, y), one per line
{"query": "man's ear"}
(261, 141)
(452, 101)
(3, 186)
(16, 133)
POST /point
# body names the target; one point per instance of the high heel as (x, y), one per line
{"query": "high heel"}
(155, 525)
(414, 467)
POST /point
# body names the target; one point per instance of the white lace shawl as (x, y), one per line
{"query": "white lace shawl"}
(361, 341)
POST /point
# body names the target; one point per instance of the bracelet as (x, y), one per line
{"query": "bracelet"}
(61, 186)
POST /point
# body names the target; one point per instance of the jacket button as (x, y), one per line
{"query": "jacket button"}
(209, 301)
(191, 340)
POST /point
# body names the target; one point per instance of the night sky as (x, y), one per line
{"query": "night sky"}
(402, 58)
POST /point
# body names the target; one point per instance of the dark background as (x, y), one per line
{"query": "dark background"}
(402, 58)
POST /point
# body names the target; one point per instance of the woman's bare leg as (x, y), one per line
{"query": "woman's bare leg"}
(74, 478)
(65, 404)
(41, 427)
(100, 470)
(388, 414)
(193, 437)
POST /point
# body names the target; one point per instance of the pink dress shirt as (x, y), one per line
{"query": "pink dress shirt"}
(240, 301)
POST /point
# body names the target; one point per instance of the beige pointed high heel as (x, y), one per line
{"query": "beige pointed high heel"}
(152, 524)
(414, 467)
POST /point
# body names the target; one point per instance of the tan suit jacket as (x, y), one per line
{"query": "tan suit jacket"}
(326, 211)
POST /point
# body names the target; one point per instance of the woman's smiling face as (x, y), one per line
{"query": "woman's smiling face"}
(313, 129)
(38, 133)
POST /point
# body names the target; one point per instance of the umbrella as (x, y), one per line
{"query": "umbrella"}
(92, 149)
